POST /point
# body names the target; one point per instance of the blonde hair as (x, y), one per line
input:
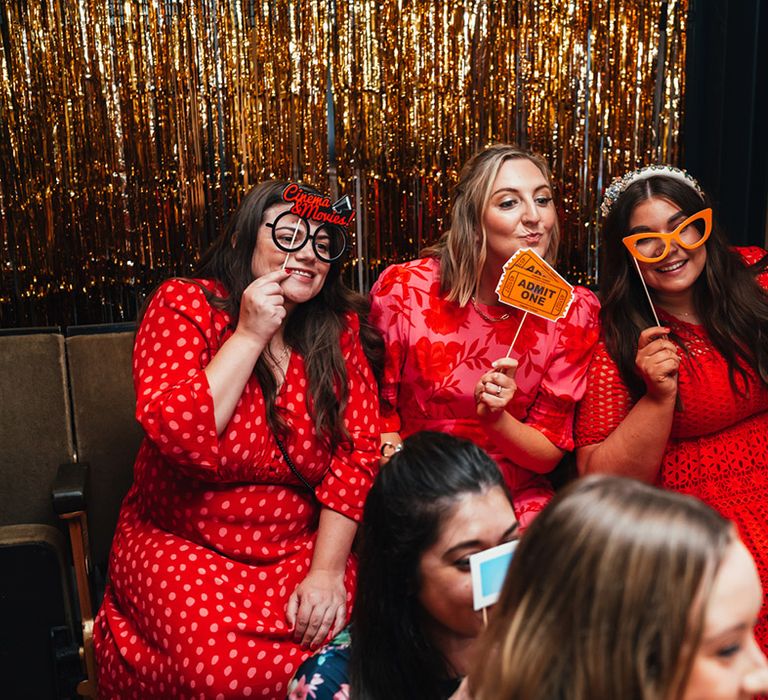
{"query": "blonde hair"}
(603, 597)
(461, 253)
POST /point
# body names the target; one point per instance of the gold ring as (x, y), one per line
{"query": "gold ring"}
(498, 390)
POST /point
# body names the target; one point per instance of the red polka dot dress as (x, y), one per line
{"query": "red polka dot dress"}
(216, 531)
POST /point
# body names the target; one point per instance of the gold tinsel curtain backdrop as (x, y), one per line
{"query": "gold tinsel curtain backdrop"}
(129, 130)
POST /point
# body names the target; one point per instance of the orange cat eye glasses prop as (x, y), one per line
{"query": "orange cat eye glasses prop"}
(651, 246)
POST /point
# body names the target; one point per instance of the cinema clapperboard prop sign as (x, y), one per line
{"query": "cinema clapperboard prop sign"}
(305, 205)
(532, 285)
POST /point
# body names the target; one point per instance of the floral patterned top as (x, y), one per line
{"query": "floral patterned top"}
(325, 676)
(437, 350)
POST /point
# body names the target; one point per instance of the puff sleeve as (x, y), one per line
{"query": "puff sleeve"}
(390, 314)
(565, 378)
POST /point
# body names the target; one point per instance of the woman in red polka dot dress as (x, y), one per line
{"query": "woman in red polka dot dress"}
(231, 559)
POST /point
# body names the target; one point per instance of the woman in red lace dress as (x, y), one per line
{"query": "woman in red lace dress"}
(682, 402)
(447, 335)
(231, 559)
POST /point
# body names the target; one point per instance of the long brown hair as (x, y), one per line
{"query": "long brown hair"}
(461, 249)
(604, 598)
(729, 301)
(313, 329)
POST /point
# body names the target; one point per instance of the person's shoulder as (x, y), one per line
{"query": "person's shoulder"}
(602, 363)
(419, 273)
(417, 266)
(190, 298)
(585, 296)
(421, 264)
(350, 321)
(185, 290)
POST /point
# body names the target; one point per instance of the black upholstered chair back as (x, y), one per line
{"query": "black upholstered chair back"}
(107, 434)
(35, 424)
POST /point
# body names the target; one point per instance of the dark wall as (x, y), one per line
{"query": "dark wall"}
(725, 143)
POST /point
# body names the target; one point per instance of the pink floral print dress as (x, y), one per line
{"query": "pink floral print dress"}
(437, 350)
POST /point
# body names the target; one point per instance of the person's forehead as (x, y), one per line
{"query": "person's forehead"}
(520, 172)
(735, 590)
(476, 515)
(279, 209)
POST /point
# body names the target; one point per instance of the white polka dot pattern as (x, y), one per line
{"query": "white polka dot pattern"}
(216, 532)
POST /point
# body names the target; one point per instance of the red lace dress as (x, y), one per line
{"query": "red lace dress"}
(437, 350)
(718, 448)
(216, 531)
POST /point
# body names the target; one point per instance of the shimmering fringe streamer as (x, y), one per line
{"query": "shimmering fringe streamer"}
(595, 87)
(129, 129)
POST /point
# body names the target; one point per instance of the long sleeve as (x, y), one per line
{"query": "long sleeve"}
(173, 400)
(606, 401)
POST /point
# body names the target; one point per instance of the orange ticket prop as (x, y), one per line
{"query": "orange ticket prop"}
(528, 260)
(530, 284)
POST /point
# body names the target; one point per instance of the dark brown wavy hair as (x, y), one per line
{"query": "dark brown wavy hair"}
(727, 297)
(313, 329)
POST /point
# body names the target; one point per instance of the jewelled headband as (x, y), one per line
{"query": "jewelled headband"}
(614, 190)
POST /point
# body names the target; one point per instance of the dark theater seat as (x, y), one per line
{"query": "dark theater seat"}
(107, 434)
(39, 643)
(67, 430)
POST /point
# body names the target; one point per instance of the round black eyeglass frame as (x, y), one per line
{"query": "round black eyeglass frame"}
(294, 249)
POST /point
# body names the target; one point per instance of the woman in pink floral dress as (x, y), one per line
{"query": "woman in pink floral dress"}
(447, 335)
